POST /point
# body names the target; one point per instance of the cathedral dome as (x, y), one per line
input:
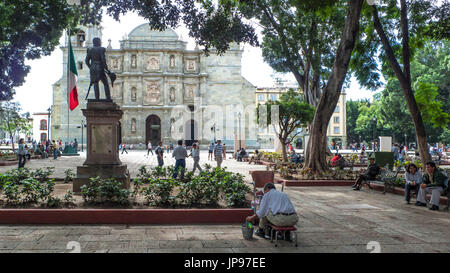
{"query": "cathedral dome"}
(143, 32)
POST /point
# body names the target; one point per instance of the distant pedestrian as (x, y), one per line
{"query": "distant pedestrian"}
(124, 148)
(159, 154)
(55, 150)
(219, 153)
(180, 154)
(171, 146)
(21, 153)
(210, 151)
(149, 148)
(224, 152)
(196, 156)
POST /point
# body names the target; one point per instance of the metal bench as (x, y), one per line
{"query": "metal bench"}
(386, 178)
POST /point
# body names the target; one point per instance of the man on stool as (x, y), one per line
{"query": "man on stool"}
(276, 208)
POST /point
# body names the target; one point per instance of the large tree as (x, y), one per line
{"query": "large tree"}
(398, 46)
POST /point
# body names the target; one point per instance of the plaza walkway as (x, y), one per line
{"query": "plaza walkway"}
(332, 219)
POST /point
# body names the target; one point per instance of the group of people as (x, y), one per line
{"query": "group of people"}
(43, 149)
(180, 154)
(432, 182)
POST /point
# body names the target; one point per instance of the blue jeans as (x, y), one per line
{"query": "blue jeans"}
(179, 163)
(22, 160)
(55, 153)
(408, 189)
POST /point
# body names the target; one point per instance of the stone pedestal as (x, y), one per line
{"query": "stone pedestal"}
(102, 145)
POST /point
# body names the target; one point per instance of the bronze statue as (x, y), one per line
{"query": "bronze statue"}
(96, 61)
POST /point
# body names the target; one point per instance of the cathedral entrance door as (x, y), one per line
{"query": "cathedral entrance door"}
(190, 132)
(153, 130)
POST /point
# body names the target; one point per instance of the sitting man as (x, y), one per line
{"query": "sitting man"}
(241, 154)
(371, 173)
(432, 182)
(295, 158)
(276, 208)
(255, 158)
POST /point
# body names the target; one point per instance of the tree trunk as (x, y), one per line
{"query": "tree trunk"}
(316, 150)
(404, 79)
(283, 146)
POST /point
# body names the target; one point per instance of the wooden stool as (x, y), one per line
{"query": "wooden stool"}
(282, 230)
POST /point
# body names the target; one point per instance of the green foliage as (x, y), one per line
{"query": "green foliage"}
(70, 175)
(430, 108)
(68, 198)
(101, 190)
(159, 191)
(27, 191)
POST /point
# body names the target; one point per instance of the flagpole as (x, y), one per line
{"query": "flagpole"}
(68, 83)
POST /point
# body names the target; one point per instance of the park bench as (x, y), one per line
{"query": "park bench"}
(446, 190)
(386, 178)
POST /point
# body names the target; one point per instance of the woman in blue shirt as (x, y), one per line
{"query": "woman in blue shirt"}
(413, 178)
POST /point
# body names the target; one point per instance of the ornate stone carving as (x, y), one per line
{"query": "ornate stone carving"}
(133, 94)
(172, 94)
(190, 91)
(133, 125)
(190, 65)
(133, 61)
(117, 90)
(152, 64)
(153, 93)
(172, 61)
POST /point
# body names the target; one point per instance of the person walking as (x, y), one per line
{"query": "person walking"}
(196, 156)
(149, 148)
(21, 153)
(124, 148)
(219, 152)
(55, 150)
(180, 154)
(159, 154)
(210, 151)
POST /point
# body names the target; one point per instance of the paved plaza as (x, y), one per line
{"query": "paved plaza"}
(332, 219)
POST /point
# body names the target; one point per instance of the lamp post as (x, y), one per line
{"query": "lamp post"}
(48, 123)
(406, 141)
(239, 117)
(83, 125)
(374, 119)
(213, 128)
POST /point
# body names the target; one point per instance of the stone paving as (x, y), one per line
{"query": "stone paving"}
(332, 219)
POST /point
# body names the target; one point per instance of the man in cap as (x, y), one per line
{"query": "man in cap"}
(370, 174)
(276, 208)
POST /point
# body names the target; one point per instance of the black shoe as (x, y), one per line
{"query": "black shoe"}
(353, 186)
(260, 233)
(356, 189)
(434, 207)
(420, 204)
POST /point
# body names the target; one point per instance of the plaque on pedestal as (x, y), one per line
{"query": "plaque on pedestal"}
(102, 157)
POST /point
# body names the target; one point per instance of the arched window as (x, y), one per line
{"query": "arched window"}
(81, 37)
(43, 124)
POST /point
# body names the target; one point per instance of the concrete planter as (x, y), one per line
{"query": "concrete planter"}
(123, 216)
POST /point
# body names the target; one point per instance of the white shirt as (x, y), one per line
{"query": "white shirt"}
(149, 146)
(275, 201)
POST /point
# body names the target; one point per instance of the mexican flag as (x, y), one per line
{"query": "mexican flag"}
(72, 80)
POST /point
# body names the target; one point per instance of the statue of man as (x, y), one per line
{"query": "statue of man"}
(96, 61)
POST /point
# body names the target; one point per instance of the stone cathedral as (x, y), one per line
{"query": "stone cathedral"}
(165, 91)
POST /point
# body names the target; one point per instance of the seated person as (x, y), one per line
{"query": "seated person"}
(295, 158)
(413, 178)
(335, 160)
(432, 182)
(371, 173)
(255, 157)
(276, 208)
(242, 154)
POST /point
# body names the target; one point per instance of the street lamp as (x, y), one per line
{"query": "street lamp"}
(213, 128)
(374, 119)
(239, 117)
(83, 125)
(49, 110)
(406, 141)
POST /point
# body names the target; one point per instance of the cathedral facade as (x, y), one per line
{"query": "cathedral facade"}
(166, 92)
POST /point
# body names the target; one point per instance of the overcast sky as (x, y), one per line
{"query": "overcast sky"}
(36, 94)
